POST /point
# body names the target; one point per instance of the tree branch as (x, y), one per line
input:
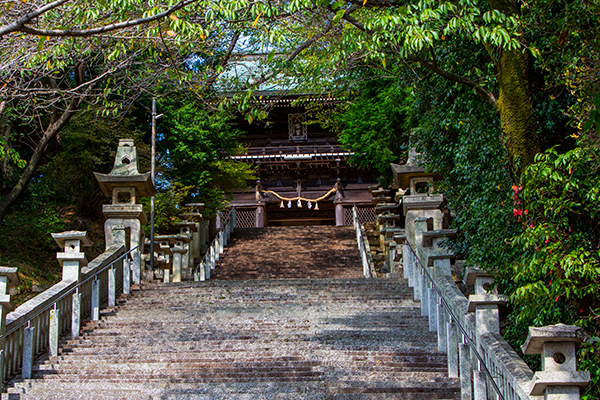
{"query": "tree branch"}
(225, 59)
(486, 95)
(20, 26)
(306, 44)
(50, 133)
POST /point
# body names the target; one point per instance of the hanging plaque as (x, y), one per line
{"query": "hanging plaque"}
(297, 126)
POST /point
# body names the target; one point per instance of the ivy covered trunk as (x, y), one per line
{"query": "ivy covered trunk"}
(515, 101)
(515, 105)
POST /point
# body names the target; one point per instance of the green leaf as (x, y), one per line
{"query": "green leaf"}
(338, 16)
(597, 101)
(40, 44)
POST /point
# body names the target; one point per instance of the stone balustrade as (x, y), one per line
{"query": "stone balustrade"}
(38, 324)
(468, 328)
(468, 331)
(215, 249)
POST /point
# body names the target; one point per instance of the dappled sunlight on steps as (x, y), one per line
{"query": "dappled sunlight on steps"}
(256, 339)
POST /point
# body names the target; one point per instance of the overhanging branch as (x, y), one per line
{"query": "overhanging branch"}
(486, 95)
(19, 26)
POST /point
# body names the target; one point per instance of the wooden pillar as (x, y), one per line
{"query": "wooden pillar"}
(260, 216)
(339, 214)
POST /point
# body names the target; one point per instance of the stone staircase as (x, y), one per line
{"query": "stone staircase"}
(332, 338)
(290, 252)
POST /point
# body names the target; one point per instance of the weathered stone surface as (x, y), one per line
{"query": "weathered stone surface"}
(261, 339)
(553, 333)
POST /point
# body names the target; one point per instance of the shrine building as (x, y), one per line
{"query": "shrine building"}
(305, 177)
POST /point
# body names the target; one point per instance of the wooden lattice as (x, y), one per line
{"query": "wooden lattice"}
(365, 214)
(245, 218)
(225, 217)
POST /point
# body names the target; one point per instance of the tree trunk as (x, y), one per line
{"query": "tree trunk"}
(515, 101)
(515, 105)
(49, 134)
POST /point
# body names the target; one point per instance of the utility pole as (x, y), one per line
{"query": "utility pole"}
(153, 160)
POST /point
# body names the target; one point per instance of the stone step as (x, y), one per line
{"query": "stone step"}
(244, 390)
(414, 358)
(344, 337)
(290, 252)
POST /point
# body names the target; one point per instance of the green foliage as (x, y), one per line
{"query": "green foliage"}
(87, 145)
(167, 207)
(373, 122)
(560, 264)
(25, 241)
(196, 147)
(556, 278)
(458, 139)
(588, 359)
(564, 34)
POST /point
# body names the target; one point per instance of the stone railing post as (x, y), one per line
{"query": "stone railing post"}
(485, 301)
(72, 258)
(208, 266)
(466, 369)
(559, 378)
(216, 252)
(112, 286)
(392, 257)
(95, 299)
(8, 277)
(54, 331)
(178, 254)
(452, 334)
(485, 304)
(28, 334)
(202, 272)
(127, 275)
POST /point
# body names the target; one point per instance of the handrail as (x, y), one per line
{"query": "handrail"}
(75, 288)
(224, 230)
(363, 244)
(456, 319)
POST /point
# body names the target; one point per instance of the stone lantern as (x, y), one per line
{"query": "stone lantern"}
(72, 258)
(411, 178)
(559, 378)
(125, 185)
(8, 278)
